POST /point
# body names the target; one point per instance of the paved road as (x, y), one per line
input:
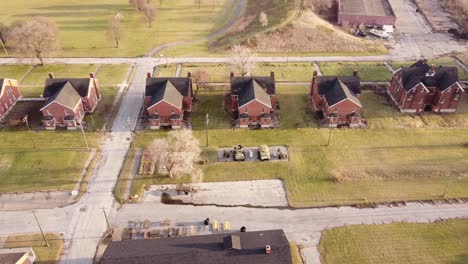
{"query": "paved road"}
(302, 226)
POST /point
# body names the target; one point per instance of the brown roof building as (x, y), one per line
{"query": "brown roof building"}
(367, 12)
(236, 248)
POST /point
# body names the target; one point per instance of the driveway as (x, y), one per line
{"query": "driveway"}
(414, 37)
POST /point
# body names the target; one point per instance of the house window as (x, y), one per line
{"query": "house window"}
(49, 113)
(263, 110)
(172, 111)
(65, 112)
(245, 110)
(155, 111)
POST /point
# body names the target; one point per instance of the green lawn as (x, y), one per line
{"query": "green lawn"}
(411, 243)
(32, 91)
(295, 253)
(388, 162)
(368, 71)
(83, 24)
(45, 255)
(40, 73)
(217, 72)
(28, 171)
(167, 71)
(13, 71)
(102, 113)
(112, 74)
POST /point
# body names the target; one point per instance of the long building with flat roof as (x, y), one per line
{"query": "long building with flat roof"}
(367, 12)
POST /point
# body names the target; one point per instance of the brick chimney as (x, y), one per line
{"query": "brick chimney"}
(51, 75)
(355, 73)
(314, 81)
(189, 74)
(272, 74)
(148, 75)
(91, 75)
(231, 75)
(267, 249)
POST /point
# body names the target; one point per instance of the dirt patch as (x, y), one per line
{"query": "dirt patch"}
(312, 33)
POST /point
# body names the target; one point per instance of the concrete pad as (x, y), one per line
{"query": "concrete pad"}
(269, 193)
(251, 154)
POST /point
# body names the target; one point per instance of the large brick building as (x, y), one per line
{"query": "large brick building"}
(67, 101)
(253, 100)
(424, 87)
(337, 97)
(366, 12)
(167, 100)
(9, 94)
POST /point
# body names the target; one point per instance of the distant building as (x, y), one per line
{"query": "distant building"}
(424, 87)
(260, 247)
(17, 256)
(9, 94)
(366, 12)
(67, 101)
(253, 100)
(167, 100)
(337, 97)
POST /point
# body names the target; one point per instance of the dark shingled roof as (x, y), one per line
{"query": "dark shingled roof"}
(250, 88)
(66, 96)
(1, 84)
(338, 88)
(206, 249)
(168, 93)
(52, 86)
(440, 77)
(10, 258)
(181, 84)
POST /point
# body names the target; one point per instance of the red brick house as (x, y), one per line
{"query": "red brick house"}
(67, 101)
(167, 100)
(337, 97)
(9, 94)
(422, 87)
(253, 100)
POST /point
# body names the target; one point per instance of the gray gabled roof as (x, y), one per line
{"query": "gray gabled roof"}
(204, 249)
(52, 86)
(421, 72)
(67, 96)
(253, 91)
(168, 93)
(338, 92)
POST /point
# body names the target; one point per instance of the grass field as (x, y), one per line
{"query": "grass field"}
(45, 255)
(13, 71)
(293, 71)
(411, 243)
(112, 74)
(40, 73)
(28, 171)
(102, 113)
(361, 166)
(368, 71)
(167, 71)
(83, 24)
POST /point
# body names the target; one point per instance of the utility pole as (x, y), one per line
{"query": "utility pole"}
(25, 119)
(82, 131)
(449, 183)
(107, 219)
(40, 228)
(329, 134)
(207, 121)
(4, 48)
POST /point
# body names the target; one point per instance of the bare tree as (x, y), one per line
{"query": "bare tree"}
(199, 77)
(35, 37)
(242, 60)
(149, 14)
(263, 19)
(176, 154)
(138, 4)
(115, 29)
